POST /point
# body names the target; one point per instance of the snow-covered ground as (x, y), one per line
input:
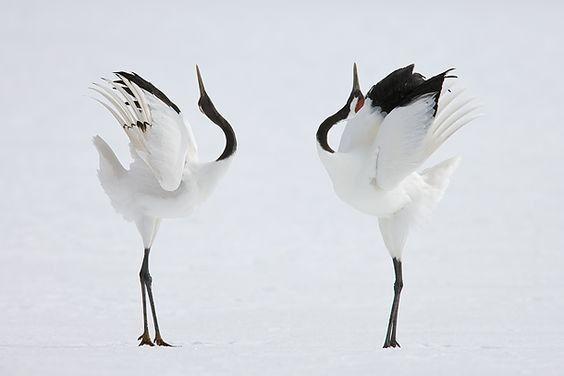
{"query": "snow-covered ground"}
(274, 275)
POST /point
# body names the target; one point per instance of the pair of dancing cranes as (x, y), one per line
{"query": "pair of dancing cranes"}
(389, 133)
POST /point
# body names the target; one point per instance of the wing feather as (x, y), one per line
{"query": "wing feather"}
(154, 125)
(411, 133)
(137, 101)
(399, 146)
(115, 100)
(119, 119)
(361, 130)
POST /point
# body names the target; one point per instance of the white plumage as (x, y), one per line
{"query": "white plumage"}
(376, 167)
(166, 178)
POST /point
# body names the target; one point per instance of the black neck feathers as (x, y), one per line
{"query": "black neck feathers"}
(325, 127)
(206, 106)
(342, 114)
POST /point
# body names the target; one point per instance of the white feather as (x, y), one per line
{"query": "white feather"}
(375, 170)
(398, 148)
(165, 144)
(361, 128)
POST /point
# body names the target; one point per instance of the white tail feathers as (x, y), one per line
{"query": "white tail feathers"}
(396, 227)
(437, 179)
(439, 175)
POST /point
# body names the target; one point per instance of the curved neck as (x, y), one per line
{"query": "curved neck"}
(342, 114)
(325, 127)
(230, 141)
(207, 107)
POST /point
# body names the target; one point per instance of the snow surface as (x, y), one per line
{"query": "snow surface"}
(274, 275)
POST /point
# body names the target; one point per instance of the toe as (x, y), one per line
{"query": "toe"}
(161, 342)
(145, 340)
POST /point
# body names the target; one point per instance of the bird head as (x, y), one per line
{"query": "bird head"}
(354, 103)
(356, 98)
(207, 108)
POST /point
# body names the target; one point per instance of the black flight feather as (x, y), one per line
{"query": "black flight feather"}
(402, 86)
(147, 86)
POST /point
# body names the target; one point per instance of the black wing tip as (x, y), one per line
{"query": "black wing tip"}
(438, 79)
(392, 89)
(404, 85)
(147, 86)
(121, 75)
(447, 75)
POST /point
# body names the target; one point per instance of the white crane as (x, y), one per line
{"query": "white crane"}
(388, 136)
(165, 179)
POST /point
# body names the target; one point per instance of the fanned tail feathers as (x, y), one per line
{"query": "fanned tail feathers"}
(439, 175)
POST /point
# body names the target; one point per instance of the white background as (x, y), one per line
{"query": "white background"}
(274, 275)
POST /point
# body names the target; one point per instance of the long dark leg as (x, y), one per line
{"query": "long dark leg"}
(148, 281)
(393, 322)
(398, 286)
(145, 337)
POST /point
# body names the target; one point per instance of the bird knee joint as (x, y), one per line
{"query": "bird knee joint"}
(145, 277)
(398, 286)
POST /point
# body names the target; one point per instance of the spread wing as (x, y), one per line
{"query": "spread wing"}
(399, 147)
(411, 133)
(361, 130)
(154, 125)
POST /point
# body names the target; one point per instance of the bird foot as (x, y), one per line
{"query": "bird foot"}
(391, 343)
(160, 342)
(145, 339)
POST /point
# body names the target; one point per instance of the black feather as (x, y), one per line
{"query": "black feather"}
(147, 86)
(402, 86)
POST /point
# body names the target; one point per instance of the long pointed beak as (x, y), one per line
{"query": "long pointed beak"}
(201, 83)
(356, 92)
(356, 83)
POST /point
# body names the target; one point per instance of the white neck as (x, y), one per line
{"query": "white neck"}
(208, 174)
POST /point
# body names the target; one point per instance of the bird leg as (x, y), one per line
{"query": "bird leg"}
(145, 337)
(148, 280)
(392, 323)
